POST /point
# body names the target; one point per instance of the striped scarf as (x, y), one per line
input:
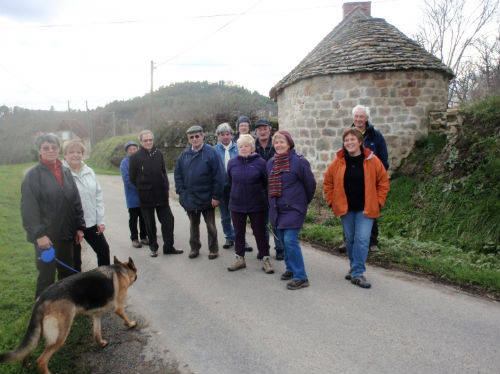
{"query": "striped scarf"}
(280, 165)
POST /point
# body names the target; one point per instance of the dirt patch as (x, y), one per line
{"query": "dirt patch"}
(125, 352)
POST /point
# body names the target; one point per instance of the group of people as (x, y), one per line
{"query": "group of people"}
(262, 179)
(62, 204)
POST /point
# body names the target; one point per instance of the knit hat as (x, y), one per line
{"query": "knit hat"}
(288, 137)
(243, 119)
(194, 129)
(129, 144)
(262, 122)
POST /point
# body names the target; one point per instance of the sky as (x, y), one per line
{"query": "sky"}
(99, 51)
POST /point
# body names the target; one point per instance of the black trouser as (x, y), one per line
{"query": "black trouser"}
(258, 222)
(166, 219)
(374, 234)
(98, 243)
(47, 270)
(194, 220)
(135, 215)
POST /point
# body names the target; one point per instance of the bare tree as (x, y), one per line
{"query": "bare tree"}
(451, 28)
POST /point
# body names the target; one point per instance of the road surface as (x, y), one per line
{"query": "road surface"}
(214, 321)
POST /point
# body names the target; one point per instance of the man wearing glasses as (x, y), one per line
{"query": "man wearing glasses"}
(199, 182)
(148, 173)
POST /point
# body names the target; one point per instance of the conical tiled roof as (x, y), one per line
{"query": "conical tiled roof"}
(362, 43)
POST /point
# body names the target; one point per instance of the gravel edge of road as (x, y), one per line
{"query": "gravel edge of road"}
(129, 351)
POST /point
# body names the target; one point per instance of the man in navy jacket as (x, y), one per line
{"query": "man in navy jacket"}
(199, 182)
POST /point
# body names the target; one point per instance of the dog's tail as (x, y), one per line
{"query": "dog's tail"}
(30, 340)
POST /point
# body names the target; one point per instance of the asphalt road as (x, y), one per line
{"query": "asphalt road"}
(214, 321)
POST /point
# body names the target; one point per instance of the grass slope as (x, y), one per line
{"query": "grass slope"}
(18, 278)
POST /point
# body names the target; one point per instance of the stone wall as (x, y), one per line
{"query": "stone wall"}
(316, 110)
(445, 122)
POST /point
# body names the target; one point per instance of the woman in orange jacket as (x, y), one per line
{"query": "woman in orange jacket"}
(356, 185)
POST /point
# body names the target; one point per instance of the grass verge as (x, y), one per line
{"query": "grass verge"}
(18, 278)
(472, 271)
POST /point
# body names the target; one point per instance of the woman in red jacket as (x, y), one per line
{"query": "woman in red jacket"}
(356, 185)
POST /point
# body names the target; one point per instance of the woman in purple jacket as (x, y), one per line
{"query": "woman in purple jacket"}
(247, 177)
(291, 189)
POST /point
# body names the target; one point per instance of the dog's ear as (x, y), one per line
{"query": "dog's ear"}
(116, 261)
(131, 264)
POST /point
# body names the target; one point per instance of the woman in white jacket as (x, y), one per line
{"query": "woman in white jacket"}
(92, 203)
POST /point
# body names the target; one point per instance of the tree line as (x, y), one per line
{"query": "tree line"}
(167, 111)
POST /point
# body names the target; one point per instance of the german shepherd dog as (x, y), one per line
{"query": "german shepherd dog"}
(92, 293)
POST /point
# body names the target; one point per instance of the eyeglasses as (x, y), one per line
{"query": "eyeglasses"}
(147, 140)
(52, 147)
(194, 136)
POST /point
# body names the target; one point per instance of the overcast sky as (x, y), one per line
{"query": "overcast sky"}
(100, 50)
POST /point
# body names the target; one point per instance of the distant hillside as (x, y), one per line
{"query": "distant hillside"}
(177, 105)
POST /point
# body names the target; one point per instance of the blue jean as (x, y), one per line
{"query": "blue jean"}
(293, 253)
(357, 229)
(277, 243)
(225, 215)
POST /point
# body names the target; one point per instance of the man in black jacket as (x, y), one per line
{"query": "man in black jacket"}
(148, 173)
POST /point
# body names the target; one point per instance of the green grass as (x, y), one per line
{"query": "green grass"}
(107, 154)
(18, 278)
(468, 269)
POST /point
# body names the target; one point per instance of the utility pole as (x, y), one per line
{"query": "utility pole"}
(90, 128)
(151, 96)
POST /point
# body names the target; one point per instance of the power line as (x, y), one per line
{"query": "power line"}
(195, 44)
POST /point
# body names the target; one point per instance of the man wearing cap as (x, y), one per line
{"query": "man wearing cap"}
(148, 173)
(133, 205)
(264, 147)
(199, 182)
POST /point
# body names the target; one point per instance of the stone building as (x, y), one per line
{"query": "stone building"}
(363, 60)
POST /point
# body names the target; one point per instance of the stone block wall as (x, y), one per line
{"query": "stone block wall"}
(316, 110)
(445, 122)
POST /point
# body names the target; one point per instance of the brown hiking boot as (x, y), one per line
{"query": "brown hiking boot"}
(194, 253)
(238, 263)
(213, 255)
(361, 282)
(348, 276)
(136, 244)
(266, 265)
(297, 283)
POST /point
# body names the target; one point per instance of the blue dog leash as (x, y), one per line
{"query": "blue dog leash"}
(49, 255)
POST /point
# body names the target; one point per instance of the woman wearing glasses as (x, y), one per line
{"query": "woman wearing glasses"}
(51, 211)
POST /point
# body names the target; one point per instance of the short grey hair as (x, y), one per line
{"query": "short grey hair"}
(144, 132)
(246, 139)
(49, 138)
(361, 107)
(224, 127)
